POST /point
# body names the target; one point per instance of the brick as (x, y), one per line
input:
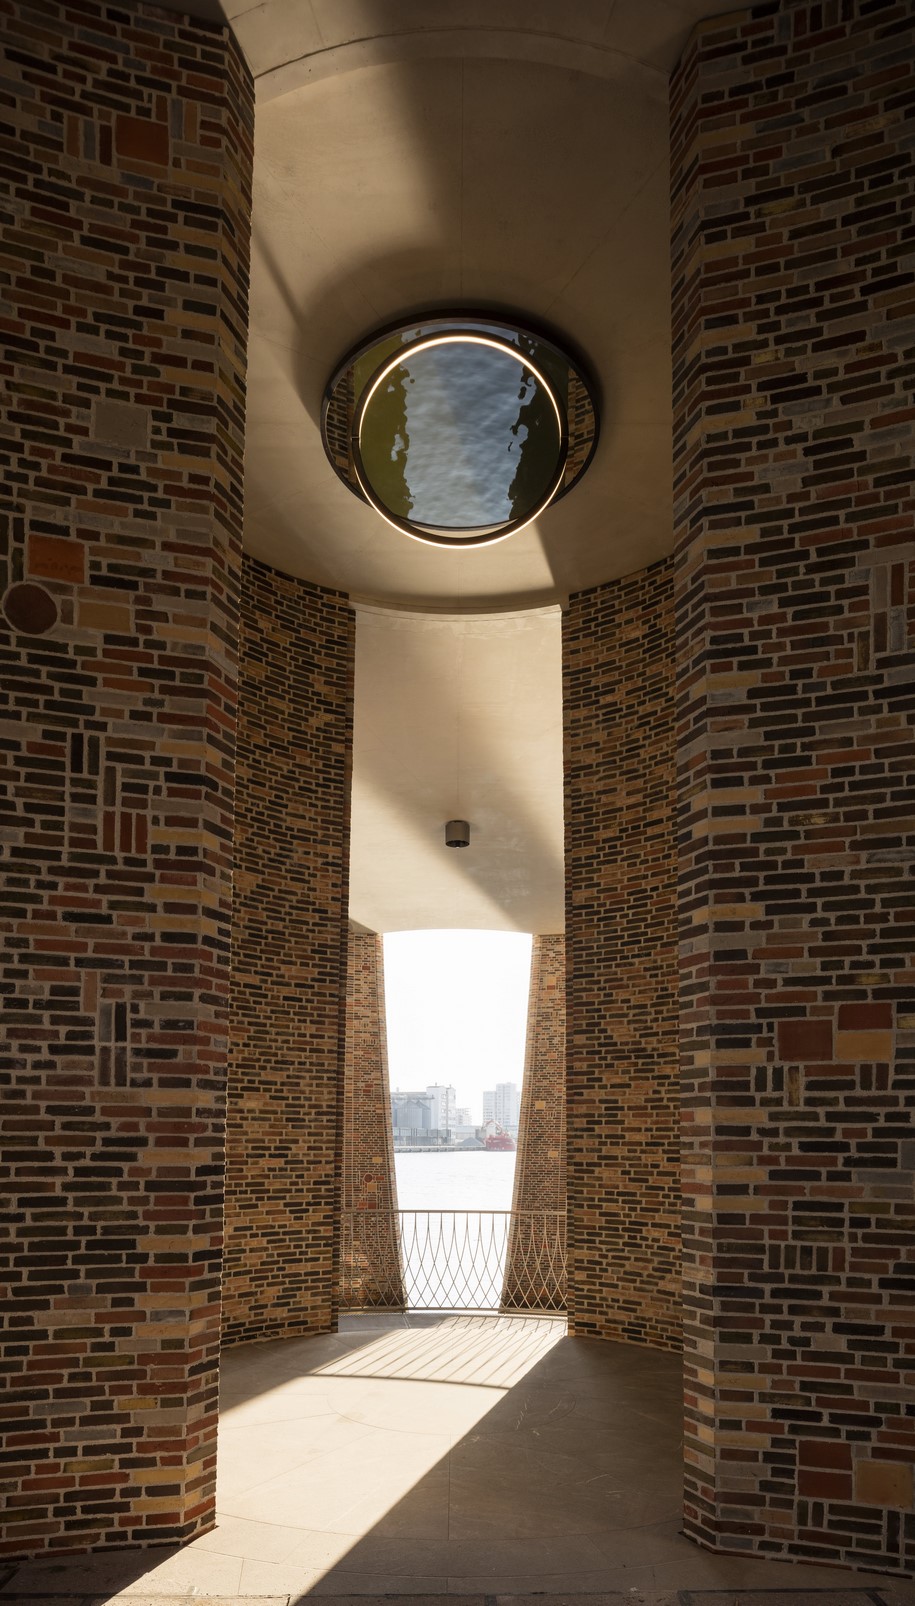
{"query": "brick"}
(885, 1483)
(805, 1040)
(833, 1454)
(30, 609)
(540, 1167)
(56, 558)
(119, 773)
(289, 949)
(371, 1257)
(795, 598)
(865, 1017)
(121, 423)
(815, 1484)
(140, 139)
(622, 1087)
(107, 616)
(864, 1046)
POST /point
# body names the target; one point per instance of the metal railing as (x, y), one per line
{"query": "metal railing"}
(454, 1260)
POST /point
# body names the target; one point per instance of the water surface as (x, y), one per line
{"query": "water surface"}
(472, 1181)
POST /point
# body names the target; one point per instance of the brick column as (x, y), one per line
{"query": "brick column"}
(289, 931)
(622, 1084)
(371, 1239)
(124, 244)
(794, 322)
(534, 1277)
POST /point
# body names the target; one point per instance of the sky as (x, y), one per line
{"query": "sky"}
(456, 1009)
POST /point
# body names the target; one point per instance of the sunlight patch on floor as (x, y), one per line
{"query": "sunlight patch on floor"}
(486, 1352)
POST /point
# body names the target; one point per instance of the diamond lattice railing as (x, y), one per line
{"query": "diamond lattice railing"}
(468, 1260)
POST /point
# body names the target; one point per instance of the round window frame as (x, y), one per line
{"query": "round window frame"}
(429, 329)
(429, 534)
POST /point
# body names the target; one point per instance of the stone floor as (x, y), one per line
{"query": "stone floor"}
(464, 1456)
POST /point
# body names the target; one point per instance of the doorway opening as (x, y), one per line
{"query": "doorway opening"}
(466, 1210)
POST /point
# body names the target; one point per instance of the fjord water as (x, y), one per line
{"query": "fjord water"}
(470, 1181)
(455, 1261)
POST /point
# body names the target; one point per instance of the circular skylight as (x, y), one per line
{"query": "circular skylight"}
(459, 431)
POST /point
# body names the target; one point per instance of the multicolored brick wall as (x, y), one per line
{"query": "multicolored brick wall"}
(126, 159)
(289, 942)
(371, 1242)
(534, 1278)
(794, 328)
(622, 1085)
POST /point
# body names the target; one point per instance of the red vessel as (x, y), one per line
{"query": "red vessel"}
(496, 1139)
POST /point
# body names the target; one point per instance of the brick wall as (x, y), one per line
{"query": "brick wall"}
(288, 957)
(621, 964)
(123, 249)
(371, 1241)
(533, 1278)
(794, 327)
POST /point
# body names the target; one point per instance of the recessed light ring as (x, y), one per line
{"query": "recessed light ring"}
(459, 431)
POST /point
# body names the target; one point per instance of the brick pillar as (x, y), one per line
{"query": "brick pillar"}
(794, 321)
(371, 1239)
(534, 1278)
(125, 253)
(622, 1085)
(288, 957)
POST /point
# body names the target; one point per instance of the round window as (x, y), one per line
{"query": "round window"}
(459, 432)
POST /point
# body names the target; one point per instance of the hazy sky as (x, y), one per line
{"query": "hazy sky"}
(456, 1009)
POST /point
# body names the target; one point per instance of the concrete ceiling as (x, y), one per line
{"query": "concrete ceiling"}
(423, 154)
(457, 718)
(510, 155)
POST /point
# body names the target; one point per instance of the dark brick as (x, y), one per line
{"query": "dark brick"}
(802, 1040)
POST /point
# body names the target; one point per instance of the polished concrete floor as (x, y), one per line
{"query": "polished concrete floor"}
(468, 1456)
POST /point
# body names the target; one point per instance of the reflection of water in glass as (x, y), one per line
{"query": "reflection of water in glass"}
(460, 436)
(453, 1248)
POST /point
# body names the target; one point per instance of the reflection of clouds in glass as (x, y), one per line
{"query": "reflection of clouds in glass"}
(461, 418)
(459, 451)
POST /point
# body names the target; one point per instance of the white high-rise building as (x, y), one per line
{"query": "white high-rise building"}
(444, 1100)
(503, 1104)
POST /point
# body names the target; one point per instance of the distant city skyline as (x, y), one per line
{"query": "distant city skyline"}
(456, 1004)
(502, 1103)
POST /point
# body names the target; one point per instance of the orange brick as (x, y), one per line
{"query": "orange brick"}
(884, 1483)
(57, 558)
(113, 617)
(142, 140)
(864, 1045)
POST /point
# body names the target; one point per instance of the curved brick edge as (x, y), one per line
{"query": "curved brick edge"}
(533, 1278)
(125, 255)
(289, 944)
(622, 1087)
(794, 323)
(371, 1272)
